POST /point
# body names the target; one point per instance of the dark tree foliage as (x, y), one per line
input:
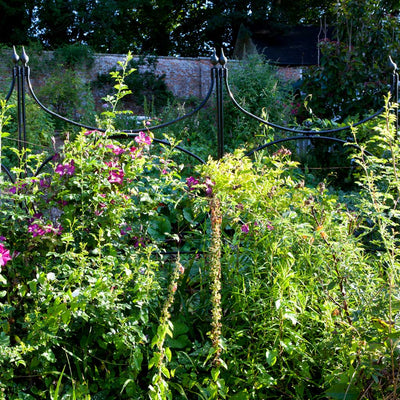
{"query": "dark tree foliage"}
(162, 27)
(15, 21)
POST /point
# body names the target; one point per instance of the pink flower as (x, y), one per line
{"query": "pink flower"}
(116, 177)
(142, 138)
(87, 133)
(66, 169)
(4, 255)
(245, 228)
(116, 149)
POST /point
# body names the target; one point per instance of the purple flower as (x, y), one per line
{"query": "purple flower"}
(116, 177)
(2, 239)
(270, 227)
(142, 138)
(4, 256)
(191, 182)
(66, 169)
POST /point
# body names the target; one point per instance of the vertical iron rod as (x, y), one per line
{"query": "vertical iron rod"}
(395, 91)
(396, 97)
(220, 112)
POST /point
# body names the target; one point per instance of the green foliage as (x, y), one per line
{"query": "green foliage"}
(122, 279)
(146, 88)
(74, 56)
(259, 90)
(353, 75)
(66, 93)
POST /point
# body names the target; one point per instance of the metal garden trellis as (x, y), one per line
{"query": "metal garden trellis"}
(219, 82)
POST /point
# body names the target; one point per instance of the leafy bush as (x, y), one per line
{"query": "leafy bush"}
(74, 56)
(353, 76)
(66, 93)
(148, 90)
(257, 88)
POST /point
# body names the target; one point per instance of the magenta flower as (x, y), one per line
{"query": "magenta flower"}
(4, 256)
(190, 182)
(116, 177)
(138, 241)
(125, 230)
(245, 228)
(66, 169)
(143, 139)
(209, 186)
(2, 239)
(87, 133)
(116, 149)
(36, 230)
(44, 183)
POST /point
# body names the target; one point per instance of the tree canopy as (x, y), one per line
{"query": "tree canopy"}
(164, 27)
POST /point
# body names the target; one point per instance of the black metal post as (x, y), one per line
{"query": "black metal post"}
(19, 73)
(219, 75)
(395, 91)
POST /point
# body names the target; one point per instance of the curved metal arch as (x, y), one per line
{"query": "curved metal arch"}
(286, 129)
(8, 173)
(131, 131)
(12, 86)
(43, 164)
(294, 138)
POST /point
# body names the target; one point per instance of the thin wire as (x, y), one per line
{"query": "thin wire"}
(32, 144)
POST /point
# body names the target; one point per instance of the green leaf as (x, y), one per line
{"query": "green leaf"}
(4, 339)
(342, 391)
(168, 353)
(55, 396)
(271, 356)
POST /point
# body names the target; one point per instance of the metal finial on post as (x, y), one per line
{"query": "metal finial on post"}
(222, 59)
(24, 57)
(214, 58)
(392, 64)
(15, 56)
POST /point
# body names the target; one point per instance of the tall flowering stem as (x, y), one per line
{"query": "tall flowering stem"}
(215, 276)
(159, 387)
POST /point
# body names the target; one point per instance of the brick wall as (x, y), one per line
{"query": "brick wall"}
(185, 77)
